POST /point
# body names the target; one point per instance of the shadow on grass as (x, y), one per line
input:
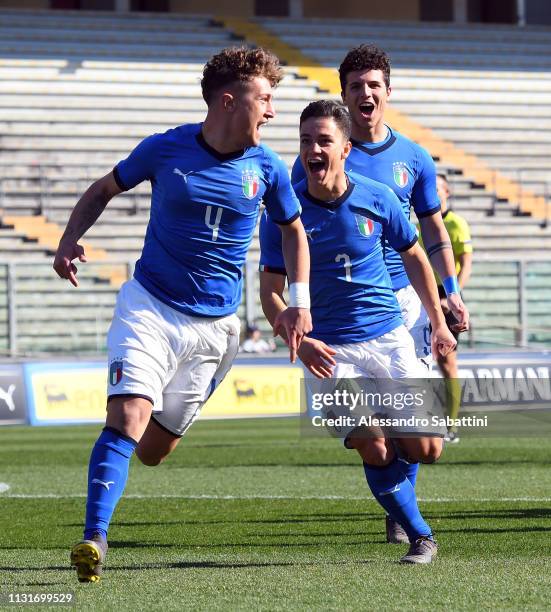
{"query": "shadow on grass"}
(495, 530)
(506, 513)
(111, 543)
(341, 516)
(185, 565)
(505, 461)
(217, 565)
(281, 543)
(316, 518)
(30, 583)
(36, 569)
(277, 544)
(272, 463)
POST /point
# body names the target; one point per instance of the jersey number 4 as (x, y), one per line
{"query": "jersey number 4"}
(216, 225)
(347, 265)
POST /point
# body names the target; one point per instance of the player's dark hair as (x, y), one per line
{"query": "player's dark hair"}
(239, 64)
(443, 177)
(365, 57)
(332, 109)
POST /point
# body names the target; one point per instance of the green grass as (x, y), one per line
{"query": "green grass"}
(255, 517)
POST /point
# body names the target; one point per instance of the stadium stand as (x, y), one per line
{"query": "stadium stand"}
(441, 149)
(80, 90)
(431, 78)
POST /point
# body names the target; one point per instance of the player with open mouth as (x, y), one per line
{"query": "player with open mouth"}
(381, 153)
(358, 326)
(175, 333)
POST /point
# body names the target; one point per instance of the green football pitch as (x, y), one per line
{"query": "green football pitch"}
(248, 515)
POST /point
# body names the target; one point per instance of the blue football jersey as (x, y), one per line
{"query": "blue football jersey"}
(350, 287)
(204, 209)
(407, 169)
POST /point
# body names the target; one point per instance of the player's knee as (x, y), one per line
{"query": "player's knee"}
(148, 458)
(421, 450)
(430, 450)
(156, 445)
(373, 451)
(129, 415)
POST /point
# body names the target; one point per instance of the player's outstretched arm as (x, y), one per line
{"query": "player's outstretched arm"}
(314, 354)
(295, 322)
(420, 274)
(84, 215)
(439, 248)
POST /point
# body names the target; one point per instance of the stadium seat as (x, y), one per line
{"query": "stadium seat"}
(80, 90)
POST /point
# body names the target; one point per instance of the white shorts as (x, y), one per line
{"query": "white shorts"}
(417, 322)
(377, 362)
(173, 359)
(391, 355)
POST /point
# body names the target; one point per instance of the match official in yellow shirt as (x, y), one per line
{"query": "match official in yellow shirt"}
(460, 238)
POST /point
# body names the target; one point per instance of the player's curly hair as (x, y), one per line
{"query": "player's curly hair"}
(365, 57)
(239, 64)
(329, 108)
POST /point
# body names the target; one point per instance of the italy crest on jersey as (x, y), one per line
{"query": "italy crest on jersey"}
(400, 172)
(250, 183)
(365, 225)
(115, 372)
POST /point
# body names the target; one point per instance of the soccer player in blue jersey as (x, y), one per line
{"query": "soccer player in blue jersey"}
(174, 332)
(358, 328)
(383, 154)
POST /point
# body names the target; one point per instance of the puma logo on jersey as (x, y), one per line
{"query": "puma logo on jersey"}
(103, 484)
(182, 174)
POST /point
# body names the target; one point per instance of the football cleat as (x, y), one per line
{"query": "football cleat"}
(423, 550)
(88, 557)
(395, 533)
(451, 437)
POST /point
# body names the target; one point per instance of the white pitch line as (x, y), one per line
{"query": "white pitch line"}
(282, 497)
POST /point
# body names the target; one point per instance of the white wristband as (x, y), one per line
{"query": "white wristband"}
(299, 295)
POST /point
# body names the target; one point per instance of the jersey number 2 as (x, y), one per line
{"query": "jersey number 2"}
(216, 225)
(347, 265)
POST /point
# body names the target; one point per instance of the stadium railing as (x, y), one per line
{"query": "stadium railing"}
(510, 302)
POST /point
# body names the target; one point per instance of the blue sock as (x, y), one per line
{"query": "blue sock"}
(396, 495)
(409, 470)
(107, 475)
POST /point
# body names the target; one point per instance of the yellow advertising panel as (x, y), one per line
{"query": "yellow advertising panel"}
(256, 391)
(67, 393)
(72, 393)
